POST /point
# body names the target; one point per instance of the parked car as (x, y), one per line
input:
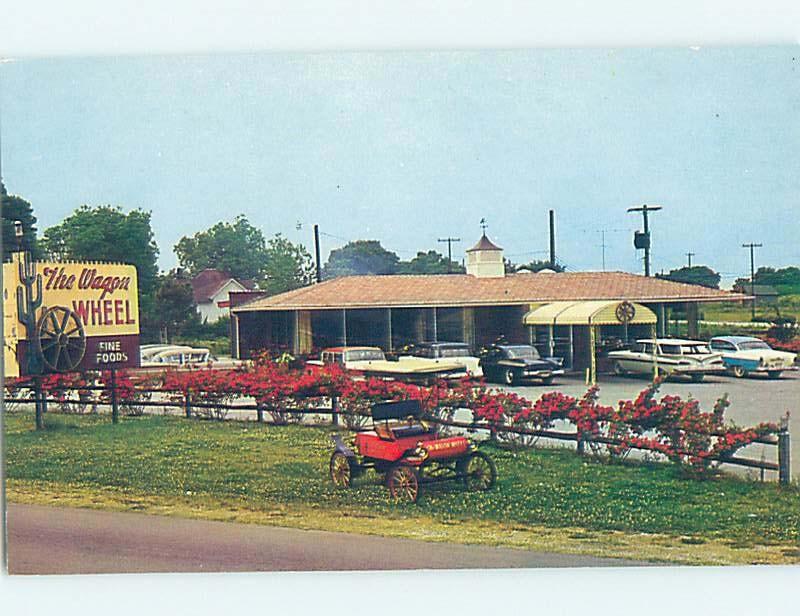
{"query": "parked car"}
(745, 355)
(163, 355)
(448, 352)
(674, 357)
(371, 361)
(511, 364)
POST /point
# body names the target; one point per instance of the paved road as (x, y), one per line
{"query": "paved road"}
(54, 540)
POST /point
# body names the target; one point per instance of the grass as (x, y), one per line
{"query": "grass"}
(545, 499)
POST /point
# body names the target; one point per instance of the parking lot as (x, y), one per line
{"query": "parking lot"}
(753, 400)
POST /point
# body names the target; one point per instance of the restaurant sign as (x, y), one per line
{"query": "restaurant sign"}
(62, 317)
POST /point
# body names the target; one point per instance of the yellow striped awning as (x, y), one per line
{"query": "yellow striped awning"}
(600, 312)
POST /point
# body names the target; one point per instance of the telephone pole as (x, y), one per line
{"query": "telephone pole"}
(752, 246)
(690, 255)
(642, 240)
(449, 241)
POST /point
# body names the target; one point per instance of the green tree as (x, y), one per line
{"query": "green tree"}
(786, 280)
(16, 208)
(106, 233)
(359, 258)
(430, 262)
(237, 248)
(177, 312)
(288, 266)
(697, 274)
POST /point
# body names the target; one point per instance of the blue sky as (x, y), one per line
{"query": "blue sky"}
(410, 147)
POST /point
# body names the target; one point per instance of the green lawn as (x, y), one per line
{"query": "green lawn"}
(258, 468)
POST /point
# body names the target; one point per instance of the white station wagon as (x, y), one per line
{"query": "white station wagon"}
(744, 355)
(674, 357)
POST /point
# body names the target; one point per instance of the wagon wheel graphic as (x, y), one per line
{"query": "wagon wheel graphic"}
(625, 312)
(60, 339)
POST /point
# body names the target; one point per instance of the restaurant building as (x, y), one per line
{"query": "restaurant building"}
(565, 314)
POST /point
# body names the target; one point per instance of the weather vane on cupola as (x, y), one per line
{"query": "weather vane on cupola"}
(484, 225)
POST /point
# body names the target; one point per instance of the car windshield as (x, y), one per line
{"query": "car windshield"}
(695, 349)
(365, 355)
(522, 352)
(753, 345)
(454, 351)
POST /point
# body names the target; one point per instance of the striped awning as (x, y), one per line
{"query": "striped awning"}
(600, 312)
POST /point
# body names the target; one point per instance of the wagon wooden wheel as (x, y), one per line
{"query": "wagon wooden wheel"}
(403, 483)
(60, 339)
(478, 471)
(341, 471)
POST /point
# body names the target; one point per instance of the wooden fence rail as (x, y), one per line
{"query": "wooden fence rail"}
(187, 402)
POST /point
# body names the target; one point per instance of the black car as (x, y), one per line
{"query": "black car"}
(510, 364)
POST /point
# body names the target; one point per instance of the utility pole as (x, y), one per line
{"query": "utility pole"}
(552, 240)
(642, 240)
(449, 241)
(316, 252)
(690, 255)
(752, 246)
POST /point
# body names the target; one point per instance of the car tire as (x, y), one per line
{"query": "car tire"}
(697, 378)
(548, 380)
(510, 377)
(773, 374)
(618, 369)
(738, 371)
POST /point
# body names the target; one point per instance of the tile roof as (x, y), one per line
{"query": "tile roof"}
(465, 290)
(484, 244)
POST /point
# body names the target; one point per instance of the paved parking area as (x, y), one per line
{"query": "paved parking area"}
(753, 400)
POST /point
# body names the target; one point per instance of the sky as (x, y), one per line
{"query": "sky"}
(410, 147)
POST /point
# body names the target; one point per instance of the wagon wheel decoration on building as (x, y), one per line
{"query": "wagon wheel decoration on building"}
(60, 339)
(625, 312)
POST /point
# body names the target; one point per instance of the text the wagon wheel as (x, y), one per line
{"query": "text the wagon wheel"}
(60, 339)
(403, 482)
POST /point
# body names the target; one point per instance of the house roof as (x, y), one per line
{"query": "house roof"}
(484, 244)
(208, 283)
(413, 291)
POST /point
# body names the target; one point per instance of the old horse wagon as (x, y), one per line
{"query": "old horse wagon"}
(408, 451)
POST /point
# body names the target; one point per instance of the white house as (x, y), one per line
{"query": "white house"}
(211, 289)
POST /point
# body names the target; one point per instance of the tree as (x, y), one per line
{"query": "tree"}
(106, 233)
(237, 248)
(177, 311)
(786, 279)
(16, 208)
(359, 258)
(430, 262)
(288, 266)
(697, 274)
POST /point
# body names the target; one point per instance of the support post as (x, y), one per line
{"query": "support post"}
(784, 463)
(114, 401)
(551, 342)
(335, 410)
(692, 325)
(188, 403)
(581, 445)
(389, 330)
(571, 352)
(39, 402)
(260, 413)
(655, 352)
(592, 356)
(344, 327)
